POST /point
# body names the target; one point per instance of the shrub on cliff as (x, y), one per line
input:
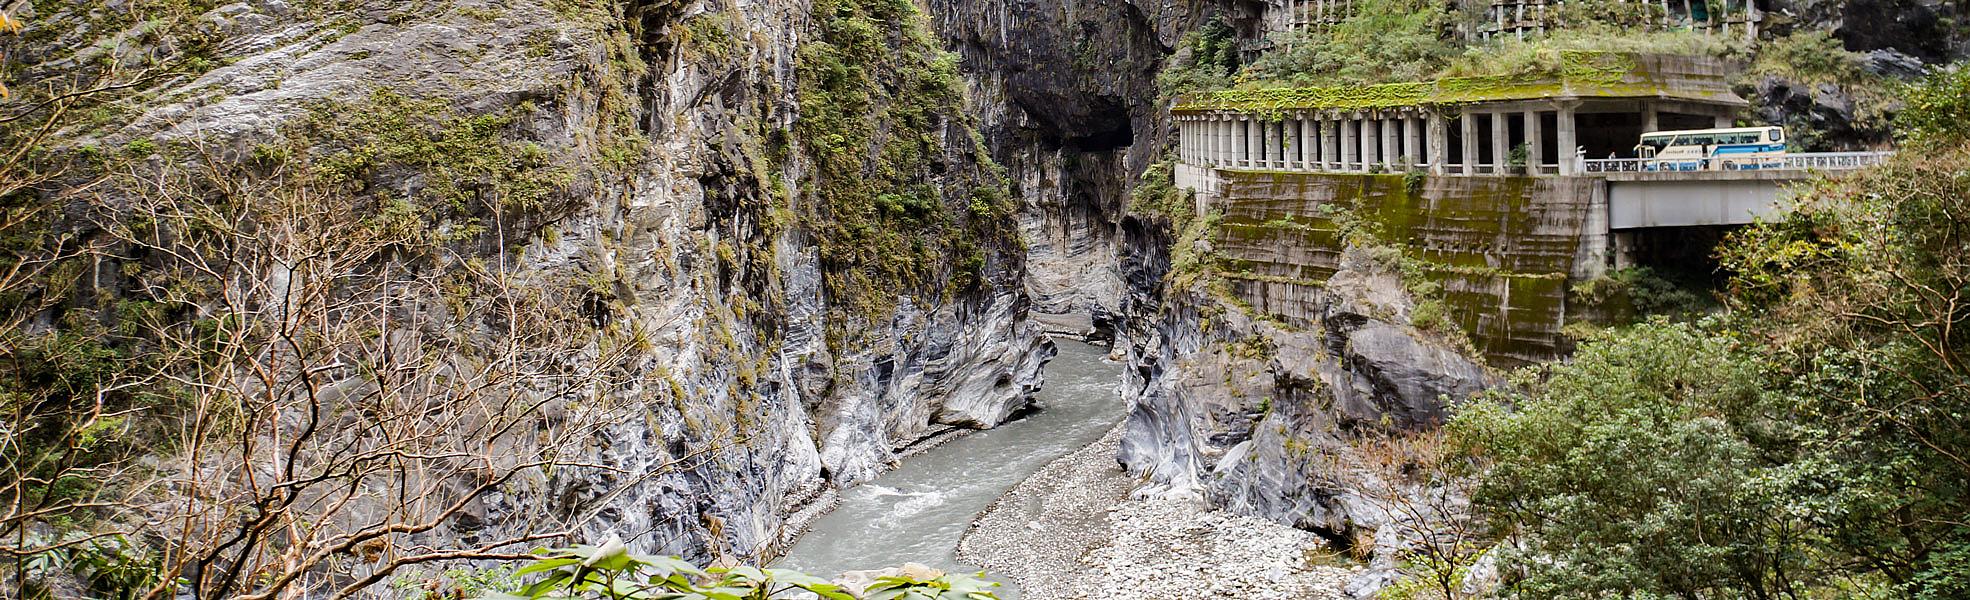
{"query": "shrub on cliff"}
(1386, 40)
(1205, 60)
(1937, 110)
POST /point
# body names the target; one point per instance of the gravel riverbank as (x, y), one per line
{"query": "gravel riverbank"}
(1071, 531)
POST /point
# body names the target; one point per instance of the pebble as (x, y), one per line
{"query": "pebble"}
(1071, 532)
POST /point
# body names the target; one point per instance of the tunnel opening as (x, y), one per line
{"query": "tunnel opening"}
(1675, 259)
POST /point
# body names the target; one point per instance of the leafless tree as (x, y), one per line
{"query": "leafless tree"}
(1420, 492)
(323, 387)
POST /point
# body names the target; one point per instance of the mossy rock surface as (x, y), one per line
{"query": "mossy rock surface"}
(1498, 250)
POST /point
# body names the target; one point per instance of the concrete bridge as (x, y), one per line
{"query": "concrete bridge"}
(1639, 196)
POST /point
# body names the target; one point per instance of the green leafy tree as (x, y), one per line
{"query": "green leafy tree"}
(1635, 467)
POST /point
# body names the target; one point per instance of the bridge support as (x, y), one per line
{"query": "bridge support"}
(1330, 136)
(1389, 150)
(1469, 159)
(1368, 134)
(1412, 141)
(1248, 141)
(1309, 146)
(1501, 142)
(1439, 142)
(1535, 143)
(1569, 143)
(1349, 145)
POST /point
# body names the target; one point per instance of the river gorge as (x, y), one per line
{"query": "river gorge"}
(918, 512)
(621, 299)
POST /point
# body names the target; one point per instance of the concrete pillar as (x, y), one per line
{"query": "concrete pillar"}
(1412, 141)
(1370, 134)
(1469, 144)
(1309, 148)
(1214, 140)
(1193, 141)
(1248, 143)
(1234, 140)
(1437, 148)
(1723, 121)
(1286, 143)
(1569, 145)
(1197, 140)
(1203, 137)
(1268, 144)
(1389, 152)
(1535, 150)
(1282, 151)
(1331, 138)
(1254, 143)
(1224, 141)
(1501, 141)
(1316, 142)
(1207, 139)
(1210, 140)
(1330, 151)
(1349, 144)
(1651, 121)
(1261, 137)
(1183, 139)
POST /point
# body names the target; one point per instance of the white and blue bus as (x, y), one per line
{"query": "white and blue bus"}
(1735, 149)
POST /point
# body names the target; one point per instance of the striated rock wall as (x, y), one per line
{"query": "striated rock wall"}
(775, 353)
(1070, 107)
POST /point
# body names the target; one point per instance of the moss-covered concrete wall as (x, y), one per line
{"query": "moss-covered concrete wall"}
(1502, 251)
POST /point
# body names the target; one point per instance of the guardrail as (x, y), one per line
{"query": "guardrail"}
(1821, 161)
(1835, 160)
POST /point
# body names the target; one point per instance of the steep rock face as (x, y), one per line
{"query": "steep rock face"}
(1281, 422)
(1929, 30)
(760, 377)
(1823, 109)
(1070, 108)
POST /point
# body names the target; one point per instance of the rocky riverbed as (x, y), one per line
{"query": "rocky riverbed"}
(1072, 530)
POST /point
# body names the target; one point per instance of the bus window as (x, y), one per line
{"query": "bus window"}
(1773, 135)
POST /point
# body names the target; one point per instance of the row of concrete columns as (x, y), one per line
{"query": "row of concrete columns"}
(1359, 142)
(1304, 142)
(1519, 17)
(1316, 14)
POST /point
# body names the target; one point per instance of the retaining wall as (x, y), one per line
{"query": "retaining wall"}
(1504, 249)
